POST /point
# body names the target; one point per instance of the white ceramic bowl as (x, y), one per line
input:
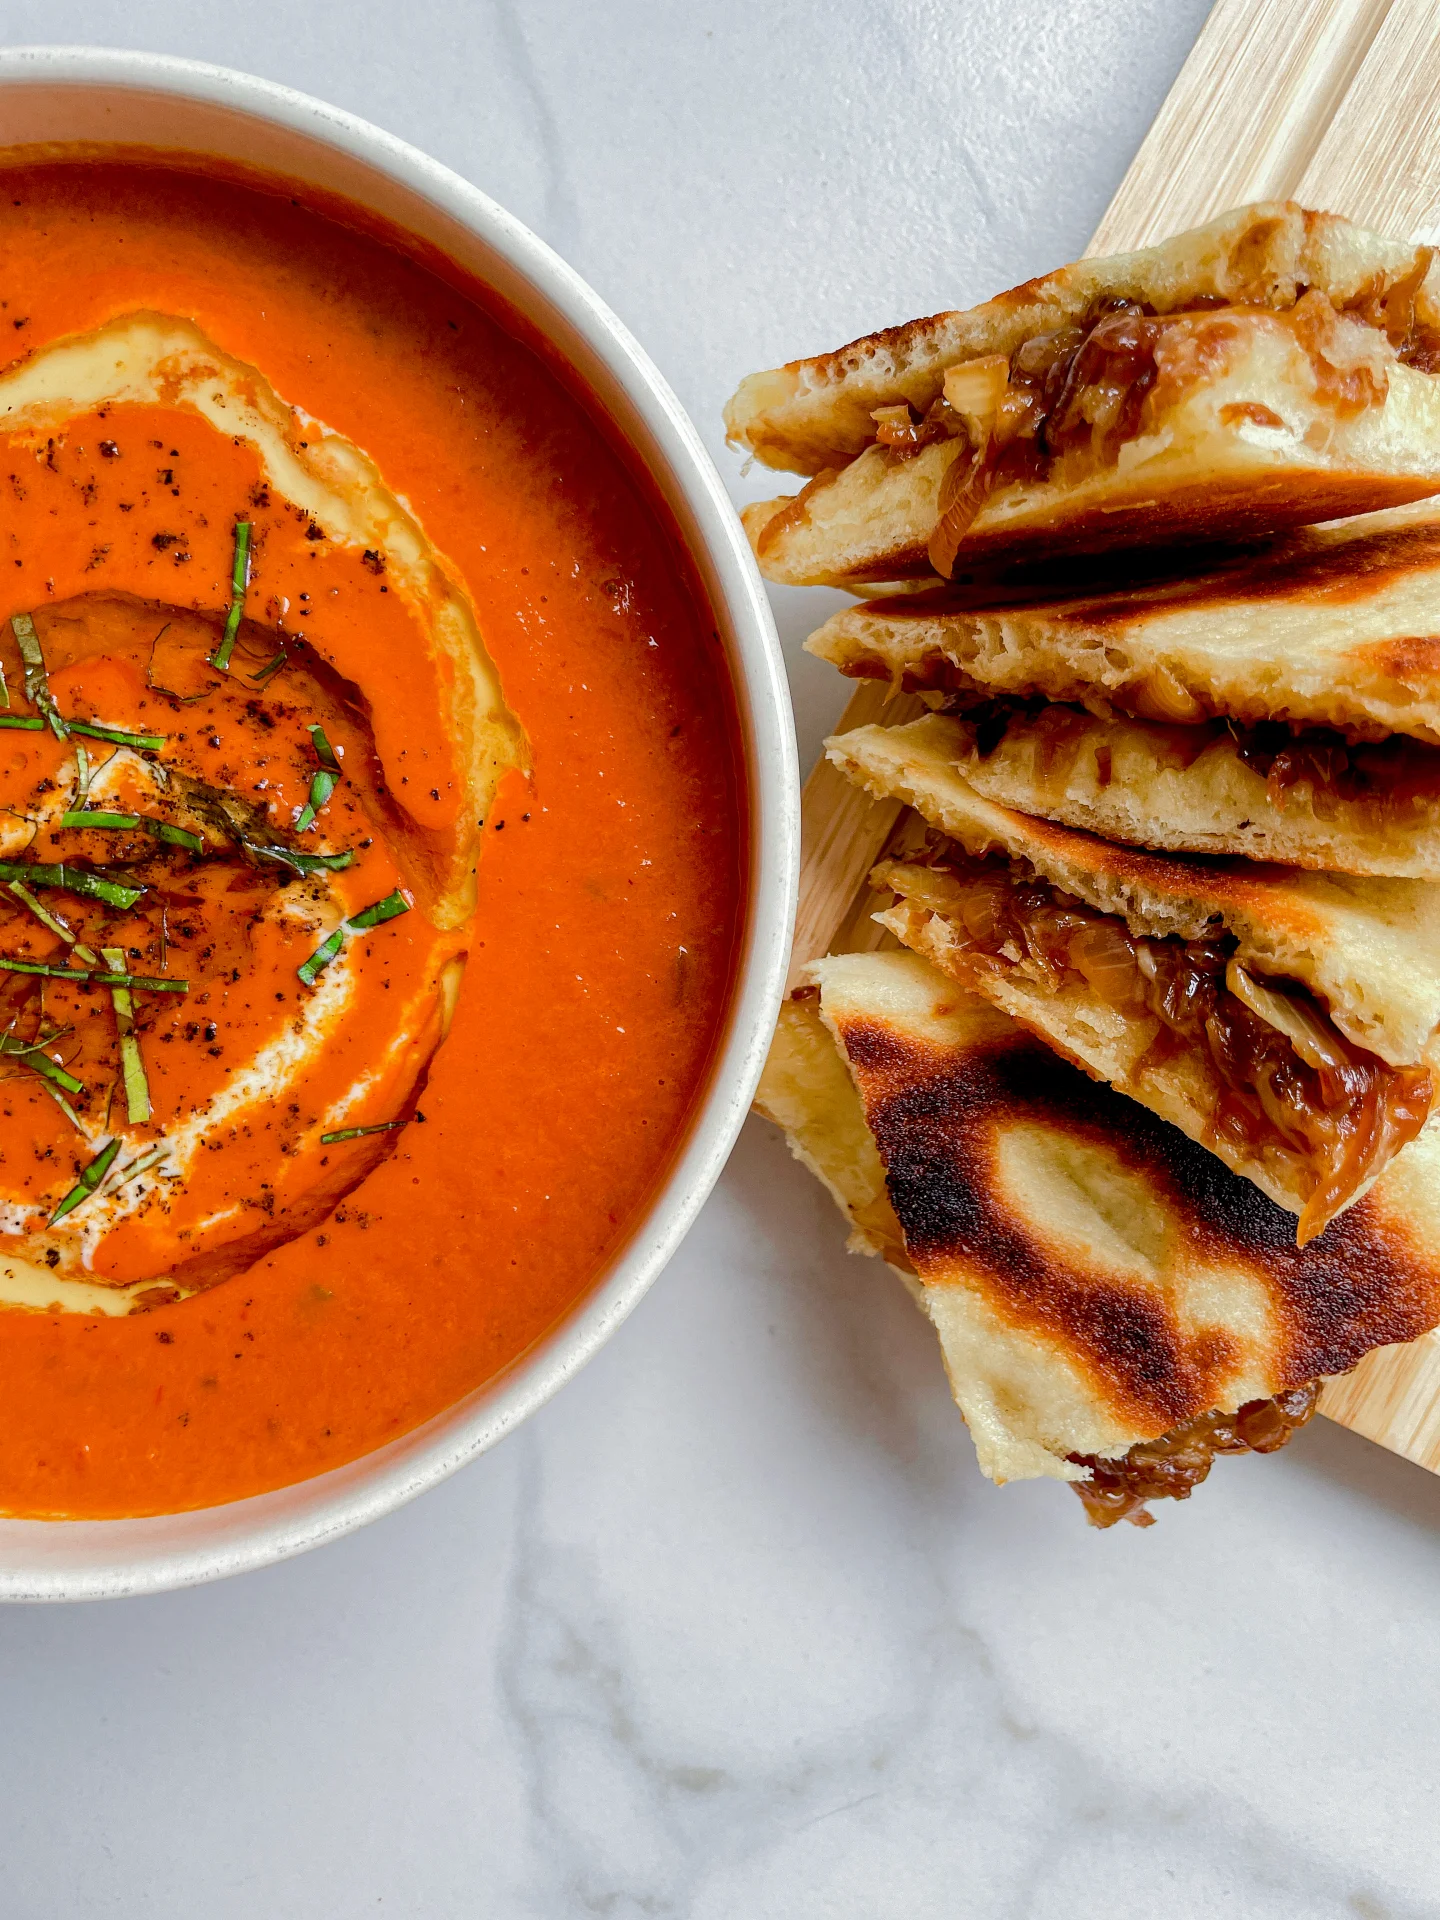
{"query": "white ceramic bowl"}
(81, 94)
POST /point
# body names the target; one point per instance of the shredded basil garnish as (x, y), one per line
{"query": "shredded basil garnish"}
(24, 722)
(37, 683)
(322, 956)
(323, 783)
(358, 1133)
(48, 919)
(72, 880)
(324, 752)
(116, 822)
(173, 836)
(127, 822)
(117, 736)
(132, 1067)
(88, 1181)
(390, 908)
(267, 673)
(303, 862)
(144, 983)
(41, 1063)
(239, 581)
(393, 905)
(141, 1164)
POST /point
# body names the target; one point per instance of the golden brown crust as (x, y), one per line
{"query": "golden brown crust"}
(938, 1120)
(797, 547)
(1097, 1280)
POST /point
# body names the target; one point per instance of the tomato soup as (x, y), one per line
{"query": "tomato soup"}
(372, 838)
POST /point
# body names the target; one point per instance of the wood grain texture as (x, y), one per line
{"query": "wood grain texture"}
(1254, 101)
(1393, 1396)
(1379, 157)
(1335, 103)
(843, 832)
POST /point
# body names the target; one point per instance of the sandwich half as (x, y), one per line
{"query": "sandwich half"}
(1286, 1020)
(1271, 370)
(1114, 1308)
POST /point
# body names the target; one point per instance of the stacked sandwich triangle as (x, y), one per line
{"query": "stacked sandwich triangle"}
(1176, 820)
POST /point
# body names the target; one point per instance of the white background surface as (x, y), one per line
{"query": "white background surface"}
(734, 1630)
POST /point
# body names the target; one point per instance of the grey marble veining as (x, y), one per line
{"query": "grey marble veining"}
(734, 1630)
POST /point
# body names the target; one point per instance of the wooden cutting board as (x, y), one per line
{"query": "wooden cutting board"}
(1335, 103)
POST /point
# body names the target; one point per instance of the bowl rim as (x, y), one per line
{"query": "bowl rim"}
(97, 1559)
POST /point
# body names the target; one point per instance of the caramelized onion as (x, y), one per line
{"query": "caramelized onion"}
(1385, 782)
(963, 491)
(1103, 391)
(1060, 734)
(983, 913)
(1048, 943)
(896, 426)
(1077, 385)
(1289, 1080)
(903, 431)
(974, 390)
(1171, 1467)
(1321, 769)
(1313, 1038)
(1348, 358)
(1162, 696)
(1083, 387)
(1392, 307)
(1282, 1101)
(1104, 955)
(1390, 1115)
(1045, 355)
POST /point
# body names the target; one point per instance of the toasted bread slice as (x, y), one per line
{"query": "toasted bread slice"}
(1286, 1020)
(1332, 627)
(1309, 801)
(1268, 371)
(1097, 1281)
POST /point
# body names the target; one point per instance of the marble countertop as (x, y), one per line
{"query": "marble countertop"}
(734, 1630)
